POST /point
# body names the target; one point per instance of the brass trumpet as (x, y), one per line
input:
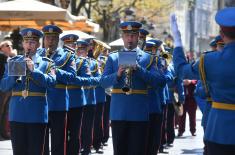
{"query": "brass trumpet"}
(99, 47)
(166, 55)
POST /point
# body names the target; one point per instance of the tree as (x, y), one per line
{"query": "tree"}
(153, 14)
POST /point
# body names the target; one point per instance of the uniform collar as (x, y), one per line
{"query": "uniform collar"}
(57, 51)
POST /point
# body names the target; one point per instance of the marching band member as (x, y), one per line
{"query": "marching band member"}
(213, 68)
(129, 111)
(28, 104)
(58, 99)
(90, 104)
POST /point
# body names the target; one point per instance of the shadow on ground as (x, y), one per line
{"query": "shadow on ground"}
(193, 151)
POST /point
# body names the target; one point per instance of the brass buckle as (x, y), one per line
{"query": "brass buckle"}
(25, 93)
(129, 92)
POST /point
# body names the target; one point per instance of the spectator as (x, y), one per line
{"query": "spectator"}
(6, 52)
(190, 107)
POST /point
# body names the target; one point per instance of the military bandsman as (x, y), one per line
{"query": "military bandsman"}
(214, 67)
(129, 111)
(28, 104)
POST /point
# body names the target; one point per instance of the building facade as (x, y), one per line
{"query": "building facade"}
(197, 24)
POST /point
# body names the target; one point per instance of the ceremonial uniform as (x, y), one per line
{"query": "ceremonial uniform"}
(89, 108)
(174, 85)
(77, 101)
(129, 112)
(28, 111)
(217, 68)
(100, 101)
(200, 97)
(58, 98)
(155, 105)
(106, 109)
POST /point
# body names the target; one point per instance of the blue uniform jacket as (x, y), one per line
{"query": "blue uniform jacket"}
(58, 98)
(153, 93)
(90, 90)
(75, 88)
(220, 76)
(133, 107)
(32, 109)
(175, 83)
(76, 93)
(100, 91)
(200, 96)
(155, 101)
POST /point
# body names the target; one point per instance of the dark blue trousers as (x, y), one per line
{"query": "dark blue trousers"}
(74, 130)
(170, 130)
(154, 133)
(129, 137)
(57, 125)
(27, 138)
(98, 126)
(87, 128)
(220, 149)
(106, 120)
(164, 125)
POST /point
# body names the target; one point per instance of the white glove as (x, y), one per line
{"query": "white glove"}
(175, 31)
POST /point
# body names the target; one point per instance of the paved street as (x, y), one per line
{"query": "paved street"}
(185, 145)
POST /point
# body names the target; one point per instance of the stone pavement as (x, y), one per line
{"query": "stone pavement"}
(185, 145)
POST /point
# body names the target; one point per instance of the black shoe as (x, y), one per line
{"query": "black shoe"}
(1, 138)
(180, 134)
(169, 145)
(162, 151)
(193, 134)
(6, 136)
(99, 151)
(104, 144)
(85, 152)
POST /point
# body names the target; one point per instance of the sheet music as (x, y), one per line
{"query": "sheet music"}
(16, 68)
(127, 59)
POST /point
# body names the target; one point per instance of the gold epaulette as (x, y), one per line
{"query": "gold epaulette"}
(80, 64)
(150, 62)
(66, 60)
